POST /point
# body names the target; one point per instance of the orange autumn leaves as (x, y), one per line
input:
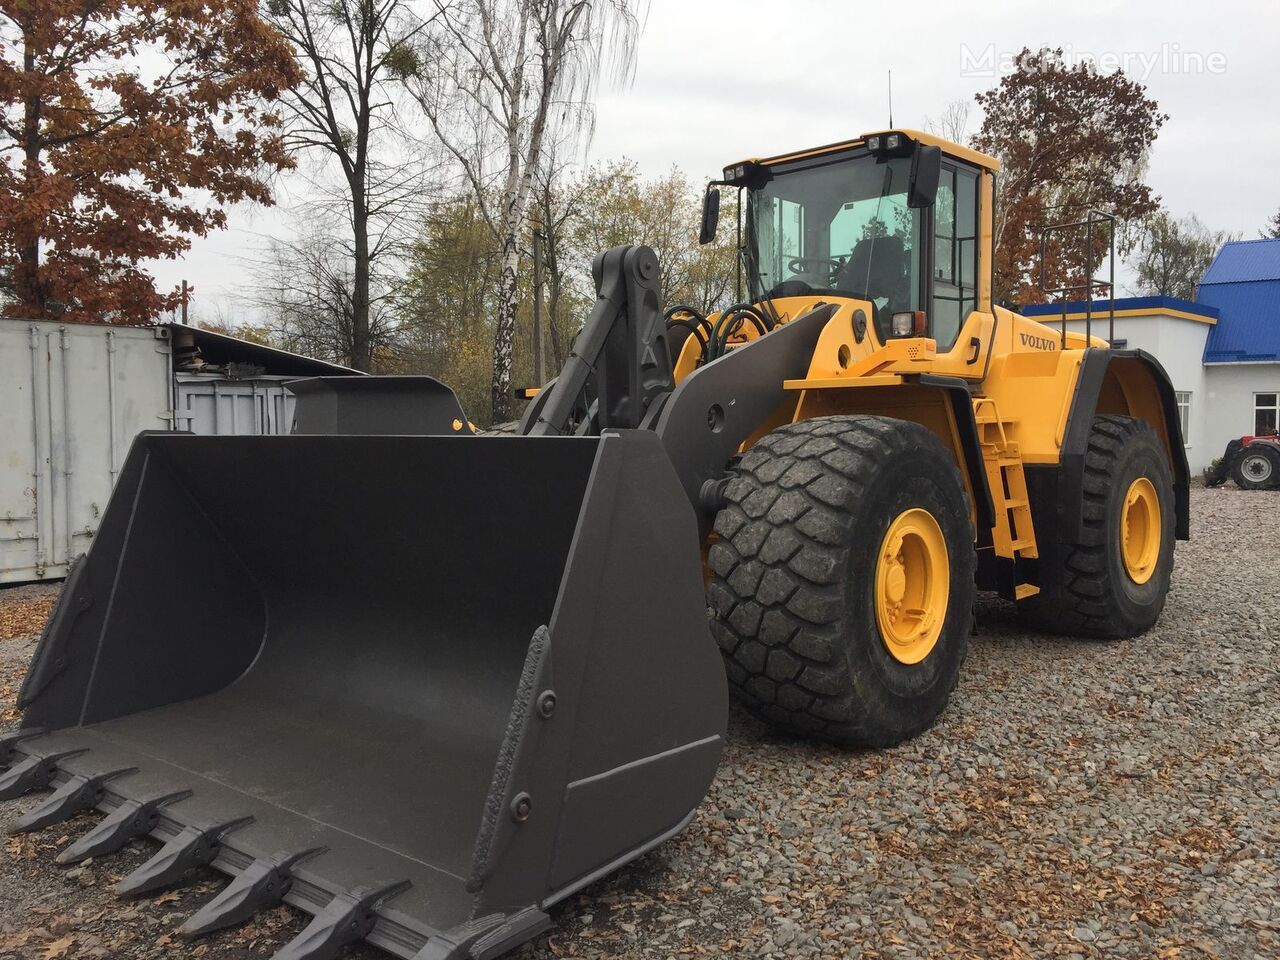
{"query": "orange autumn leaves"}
(127, 126)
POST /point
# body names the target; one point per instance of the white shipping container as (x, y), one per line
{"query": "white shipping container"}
(74, 395)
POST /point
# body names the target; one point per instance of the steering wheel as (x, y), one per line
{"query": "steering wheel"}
(803, 265)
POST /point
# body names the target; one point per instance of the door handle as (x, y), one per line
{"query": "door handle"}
(976, 345)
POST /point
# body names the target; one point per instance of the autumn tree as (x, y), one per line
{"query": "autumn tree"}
(1069, 139)
(126, 126)
(449, 299)
(1171, 255)
(498, 81)
(617, 205)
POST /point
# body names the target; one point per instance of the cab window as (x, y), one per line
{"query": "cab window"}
(955, 253)
(842, 226)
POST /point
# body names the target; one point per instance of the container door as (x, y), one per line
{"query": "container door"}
(23, 468)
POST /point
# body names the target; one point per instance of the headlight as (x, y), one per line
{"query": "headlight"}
(902, 324)
(893, 141)
(873, 144)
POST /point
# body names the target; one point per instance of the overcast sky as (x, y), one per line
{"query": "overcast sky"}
(717, 82)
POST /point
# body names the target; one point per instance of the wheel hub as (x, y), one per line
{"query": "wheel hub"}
(913, 585)
(1256, 467)
(1140, 530)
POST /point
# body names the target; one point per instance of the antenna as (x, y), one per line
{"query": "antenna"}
(890, 99)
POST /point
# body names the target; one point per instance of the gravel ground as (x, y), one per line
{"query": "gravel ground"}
(1077, 800)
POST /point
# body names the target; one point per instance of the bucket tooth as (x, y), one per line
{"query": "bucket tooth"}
(9, 742)
(130, 820)
(261, 886)
(78, 794)
(33, 773)
(192, 847)
(348, 919)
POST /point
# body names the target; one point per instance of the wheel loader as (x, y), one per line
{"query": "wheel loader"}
(424, 684)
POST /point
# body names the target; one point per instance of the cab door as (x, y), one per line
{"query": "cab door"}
(960, 310)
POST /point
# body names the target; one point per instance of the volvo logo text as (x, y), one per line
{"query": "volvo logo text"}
(1038, 343)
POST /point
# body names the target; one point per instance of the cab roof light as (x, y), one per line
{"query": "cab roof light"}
(890, 145)
(747, 174)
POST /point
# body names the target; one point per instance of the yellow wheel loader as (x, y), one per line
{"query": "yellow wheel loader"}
(423, 684)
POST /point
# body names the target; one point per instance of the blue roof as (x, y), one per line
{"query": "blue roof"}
(1122, 303)
(1245, 261)
(1243, 282)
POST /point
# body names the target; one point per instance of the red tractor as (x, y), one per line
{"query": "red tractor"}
(1252, 462)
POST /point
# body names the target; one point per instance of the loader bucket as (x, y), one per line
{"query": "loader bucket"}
(422, 686)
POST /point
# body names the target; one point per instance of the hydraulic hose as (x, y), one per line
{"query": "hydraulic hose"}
(730, 322)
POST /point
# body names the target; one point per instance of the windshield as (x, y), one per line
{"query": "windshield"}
(839, 225)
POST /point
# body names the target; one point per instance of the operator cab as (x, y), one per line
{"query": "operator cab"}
(886, 219)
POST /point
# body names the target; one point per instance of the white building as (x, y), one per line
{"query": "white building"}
(1222, 352)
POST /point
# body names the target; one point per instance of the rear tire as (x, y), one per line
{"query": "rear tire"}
(1088, 589)
(797, 612)
(1257, 467)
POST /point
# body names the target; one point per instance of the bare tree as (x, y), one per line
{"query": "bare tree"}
(952, 124)
(1272, 229)
(355, 52)
(507, 77)
(557, 204)
(305, 295)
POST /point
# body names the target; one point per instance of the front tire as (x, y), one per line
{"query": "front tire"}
(1112, 583)
(843, 578)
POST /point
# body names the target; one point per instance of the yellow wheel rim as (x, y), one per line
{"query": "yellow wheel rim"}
(913, 585)
(1140, 530)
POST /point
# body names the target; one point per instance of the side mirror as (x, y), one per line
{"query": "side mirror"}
(710, 215)
(926, 165)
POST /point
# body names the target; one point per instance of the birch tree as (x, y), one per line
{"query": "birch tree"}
(501, 80)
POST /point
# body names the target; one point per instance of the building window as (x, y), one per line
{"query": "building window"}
(1265, 413)
(1184, 414)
